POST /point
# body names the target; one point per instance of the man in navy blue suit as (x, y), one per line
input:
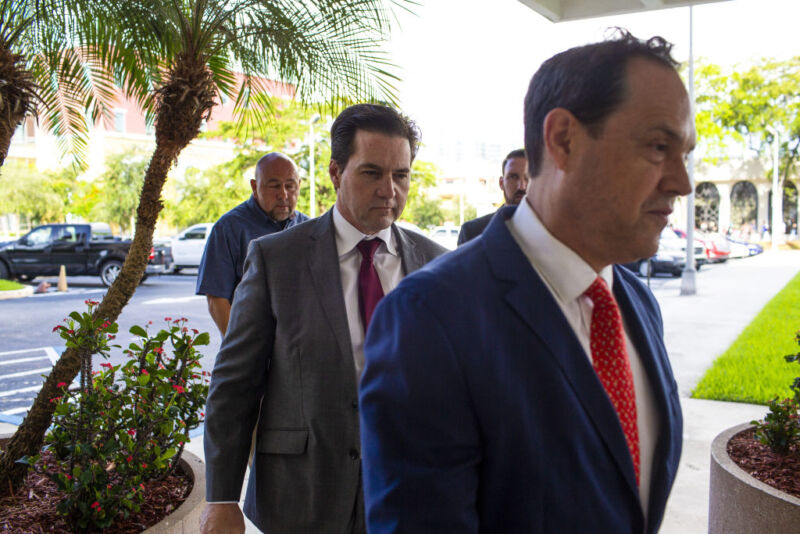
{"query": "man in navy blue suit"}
(486, 404)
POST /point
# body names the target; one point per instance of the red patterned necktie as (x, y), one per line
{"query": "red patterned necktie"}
(370, 291)
(610, 360)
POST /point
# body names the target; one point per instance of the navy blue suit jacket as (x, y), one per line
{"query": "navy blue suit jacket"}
(480, 411)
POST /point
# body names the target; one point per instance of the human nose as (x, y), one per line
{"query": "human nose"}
(676, 177)
(386, 186)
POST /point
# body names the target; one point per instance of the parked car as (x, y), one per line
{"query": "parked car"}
(743, 249)
(447, 235)
(670, 257)
(188, 246)
(83, 249)
(717, 247)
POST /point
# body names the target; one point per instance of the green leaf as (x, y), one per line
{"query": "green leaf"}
(202, 338)
(137, 330)
(143, 379)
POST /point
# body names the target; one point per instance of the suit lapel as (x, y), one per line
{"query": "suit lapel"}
(645, 334)
(409, 255)
(323, 262)
(530, 298)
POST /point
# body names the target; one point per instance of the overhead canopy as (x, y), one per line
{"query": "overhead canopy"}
(565, 10)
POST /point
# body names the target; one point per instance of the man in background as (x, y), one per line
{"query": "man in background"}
(270, 209)
(523, 385)
(295, 343)
(513, 182)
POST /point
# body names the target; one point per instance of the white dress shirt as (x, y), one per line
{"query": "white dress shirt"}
(387, 263)
(567, 277)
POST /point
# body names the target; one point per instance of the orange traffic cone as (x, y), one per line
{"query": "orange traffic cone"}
(62, 279)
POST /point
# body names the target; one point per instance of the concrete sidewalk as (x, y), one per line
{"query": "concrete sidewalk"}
(697, 329)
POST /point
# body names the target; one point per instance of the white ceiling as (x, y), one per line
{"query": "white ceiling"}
(564, 10)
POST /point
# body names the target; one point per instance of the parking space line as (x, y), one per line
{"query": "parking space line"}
(22, 351)
(173, 301)
(26, 373)
(21, 390)
(23, 360)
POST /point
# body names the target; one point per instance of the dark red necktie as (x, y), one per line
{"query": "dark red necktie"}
(370, 291)
(610, 360)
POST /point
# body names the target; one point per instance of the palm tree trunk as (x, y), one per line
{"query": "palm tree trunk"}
(17, 96)
(178, 119)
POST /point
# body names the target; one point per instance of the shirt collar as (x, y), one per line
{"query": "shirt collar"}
(348, 236)
(564, 270)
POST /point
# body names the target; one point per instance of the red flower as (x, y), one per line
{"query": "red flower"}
(202, 414)
(96, 504)
(56, 327)
(55, 399)
(106, 365)
(70, 331)
(129, 459)
(61, 384)
(144, 372)
(167, 318)
(179, 389)
(196, 331)
(91, 302)
(144, 466)
(69, 477)
(142, 486)
(131, 432)
(158, 350)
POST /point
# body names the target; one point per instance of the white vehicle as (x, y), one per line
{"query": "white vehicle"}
(447, 236)
(188, 246)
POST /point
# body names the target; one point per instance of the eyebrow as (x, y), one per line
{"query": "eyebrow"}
(375, 167)
(672, 134)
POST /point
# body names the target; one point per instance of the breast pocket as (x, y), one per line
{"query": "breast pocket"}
(282, 441)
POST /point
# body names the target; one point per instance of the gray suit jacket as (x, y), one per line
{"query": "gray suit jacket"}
(288, 349)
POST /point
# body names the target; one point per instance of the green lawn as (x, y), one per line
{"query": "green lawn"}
(753, 369)
(8, 285)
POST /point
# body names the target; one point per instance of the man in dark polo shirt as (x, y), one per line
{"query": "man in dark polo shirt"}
(513, 182)
(270, 209)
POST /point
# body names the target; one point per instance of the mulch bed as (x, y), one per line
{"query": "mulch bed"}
(782, 472)
(32, 509)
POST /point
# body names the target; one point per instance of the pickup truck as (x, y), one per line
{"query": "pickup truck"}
(83, 249)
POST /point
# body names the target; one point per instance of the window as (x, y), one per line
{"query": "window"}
(119, 120)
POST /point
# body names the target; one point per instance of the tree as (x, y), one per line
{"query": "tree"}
(420, 209)
(41, 67)
(175, 58)
(38, 196)
(119, 186)
(751, 105)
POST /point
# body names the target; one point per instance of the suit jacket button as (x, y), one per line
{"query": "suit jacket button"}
(354, 454)
(355, 404)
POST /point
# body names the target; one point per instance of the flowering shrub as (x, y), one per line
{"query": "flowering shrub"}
(126, 424)
(781, 426)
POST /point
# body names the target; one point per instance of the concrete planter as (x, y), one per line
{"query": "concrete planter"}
(740, 504)
(186, 518)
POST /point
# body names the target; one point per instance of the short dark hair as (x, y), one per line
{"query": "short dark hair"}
(371, 118)
(589, 81)
(518, 153)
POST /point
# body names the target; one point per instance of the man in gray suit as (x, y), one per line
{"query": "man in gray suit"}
(294, 344)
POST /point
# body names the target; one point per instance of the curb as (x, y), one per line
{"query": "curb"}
(26, 291)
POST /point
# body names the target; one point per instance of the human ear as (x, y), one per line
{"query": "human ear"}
(559, 133)
(333, 170)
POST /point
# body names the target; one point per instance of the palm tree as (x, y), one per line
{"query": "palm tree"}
(176, 57)
(40, 68)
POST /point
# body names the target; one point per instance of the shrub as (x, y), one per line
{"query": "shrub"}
(125, 424)
(781, 426)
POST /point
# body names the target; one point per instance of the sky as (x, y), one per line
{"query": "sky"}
(466, 64)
